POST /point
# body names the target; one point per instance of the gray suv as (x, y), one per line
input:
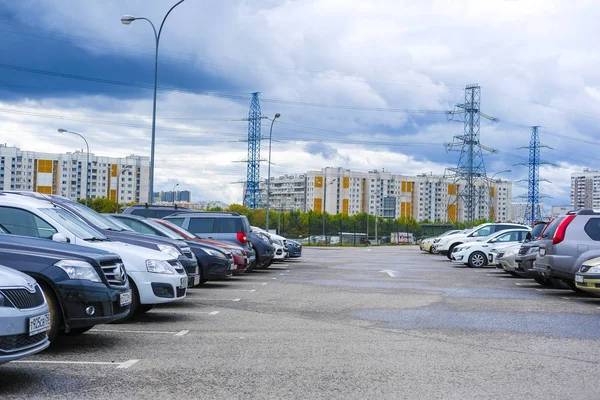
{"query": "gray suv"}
(567, 242)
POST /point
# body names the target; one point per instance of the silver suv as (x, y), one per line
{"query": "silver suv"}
(566, 243)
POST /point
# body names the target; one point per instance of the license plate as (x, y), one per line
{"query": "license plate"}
(40, 323)
(579, 278)
(125, 298)
(232, 266)
(183, 283)
(542, 251)
(196, 280)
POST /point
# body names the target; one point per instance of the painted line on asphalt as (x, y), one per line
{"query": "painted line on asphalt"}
(567, 298)
(182, 333)
(200, 299)
(282, 265)
(275, 278)
(174, 333)
(239, 290)
(553, 290)
(213, 313)
(121, 365)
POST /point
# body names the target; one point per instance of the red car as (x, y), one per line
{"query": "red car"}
(239, 256)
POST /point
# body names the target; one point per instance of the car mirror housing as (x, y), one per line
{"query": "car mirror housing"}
(59, 237)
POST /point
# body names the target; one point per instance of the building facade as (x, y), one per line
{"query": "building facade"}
(124, 179)
(585, 189)
(557, 211)
(170, 197)
(421, 197)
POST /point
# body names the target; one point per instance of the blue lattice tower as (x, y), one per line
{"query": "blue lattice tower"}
(469, 175)
(533, 211)
(252, 197)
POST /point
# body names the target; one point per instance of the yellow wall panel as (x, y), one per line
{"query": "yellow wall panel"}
(45, 189)
(406, 209)
(452, 189)
(44, 166)
(452, 212)
(492, 191)
(113, 194)
(345, 206)
(318, 205)
(113, 170)
(318, 181)
(407, 187)
(346, 182)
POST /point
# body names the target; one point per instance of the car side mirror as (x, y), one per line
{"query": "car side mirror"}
(59, 237)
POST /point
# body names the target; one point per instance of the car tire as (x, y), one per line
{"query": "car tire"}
(56, 315)
(144, 308)
(477, 260)
(202, 280)
(268, 263)
(542, 280)
(77, 331)
(450, 250)
(135, 303)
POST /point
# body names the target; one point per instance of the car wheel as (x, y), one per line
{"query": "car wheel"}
(450, 250)
(268, 263)
(541, 280)
(202, 280)
(56, 317)
(144, 308)
(477, 260)
(135, 303)
(434, 250)
(77, 331)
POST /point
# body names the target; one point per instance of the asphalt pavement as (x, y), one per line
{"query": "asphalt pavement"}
(338, 323)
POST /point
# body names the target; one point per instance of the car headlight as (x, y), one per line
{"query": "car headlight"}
(595, 269)
(170, 250)
(464, 248)
(533, 250)
(509, 253)
(215, 253)
(159, 267)
(77, 269)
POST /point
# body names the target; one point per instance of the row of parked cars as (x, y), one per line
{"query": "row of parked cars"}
(562, 252)
(65, 268)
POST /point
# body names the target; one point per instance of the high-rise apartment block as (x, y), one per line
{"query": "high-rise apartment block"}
(125, 179)
(585, 189)
(422, 197)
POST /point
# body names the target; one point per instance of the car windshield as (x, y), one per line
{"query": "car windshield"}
(165, 231)
(119, 226)
(537, 230)
(175, 228)
(73, 224)
(98, 220)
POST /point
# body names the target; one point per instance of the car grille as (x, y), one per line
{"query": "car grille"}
(16, 342)
(191, 269)
(23, 298)
(188, 253)
(114, 272)
(177, 265)
(180, 292)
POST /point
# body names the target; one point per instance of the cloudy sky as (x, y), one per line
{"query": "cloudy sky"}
(359, 84)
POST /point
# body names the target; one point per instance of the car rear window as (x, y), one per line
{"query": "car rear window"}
(231, 225)
(201, 225)
(592, 228)
(537, 230)
(551, 229)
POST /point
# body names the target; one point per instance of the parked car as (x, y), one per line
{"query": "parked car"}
(567, 243)
(476, 253)
(528, 253)
(227, 226)
(294, 248)
(83, 286)
(154, 276)
(218, 263)
(447, 244)
(154, 211)
(428, 244)
(280, 251)
(173, 248)
(505, 258)
(588, 276)
(240, 260)
(24, 316)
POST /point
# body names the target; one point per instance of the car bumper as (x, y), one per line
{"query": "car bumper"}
(159, 288)
(459, 257)
(590, 283)
(17, 343)
(295, 251)
(75, 298)
(218, 268)
(190, 266)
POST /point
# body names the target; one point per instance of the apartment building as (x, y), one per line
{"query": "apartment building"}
(422, 197)
(125, 179)
(585, 189)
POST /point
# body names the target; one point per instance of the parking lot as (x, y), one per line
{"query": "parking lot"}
(387, 322)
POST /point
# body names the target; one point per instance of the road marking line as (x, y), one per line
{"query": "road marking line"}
(125, 364)
(201, 299)
(275, 278)
(128, 364)
(264, 283)
(213, 313)
(518, 284)
(567, 298)
(182, 333)
(389, 272)
(132, 331)
(281, 265)
(553, 290)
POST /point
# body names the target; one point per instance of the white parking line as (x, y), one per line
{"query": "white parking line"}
(178, 333)
(553, 290)
(201, 299)
(122, 365)
(213, 313)
(567, 298)
(182, 333)
(281, 265)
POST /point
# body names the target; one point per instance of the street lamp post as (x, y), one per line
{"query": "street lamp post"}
(325, 184)
(173, 192)
(126, 20)
(492, 215)
(118, 182)
(269, 172)
(87, 169)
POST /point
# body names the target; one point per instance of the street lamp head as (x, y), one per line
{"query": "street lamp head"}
(127, 19)
(277, 115)
(62, 130)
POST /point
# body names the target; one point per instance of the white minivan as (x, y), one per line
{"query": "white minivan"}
(155, 277)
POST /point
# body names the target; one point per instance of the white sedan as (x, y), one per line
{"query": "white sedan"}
(476, 254)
